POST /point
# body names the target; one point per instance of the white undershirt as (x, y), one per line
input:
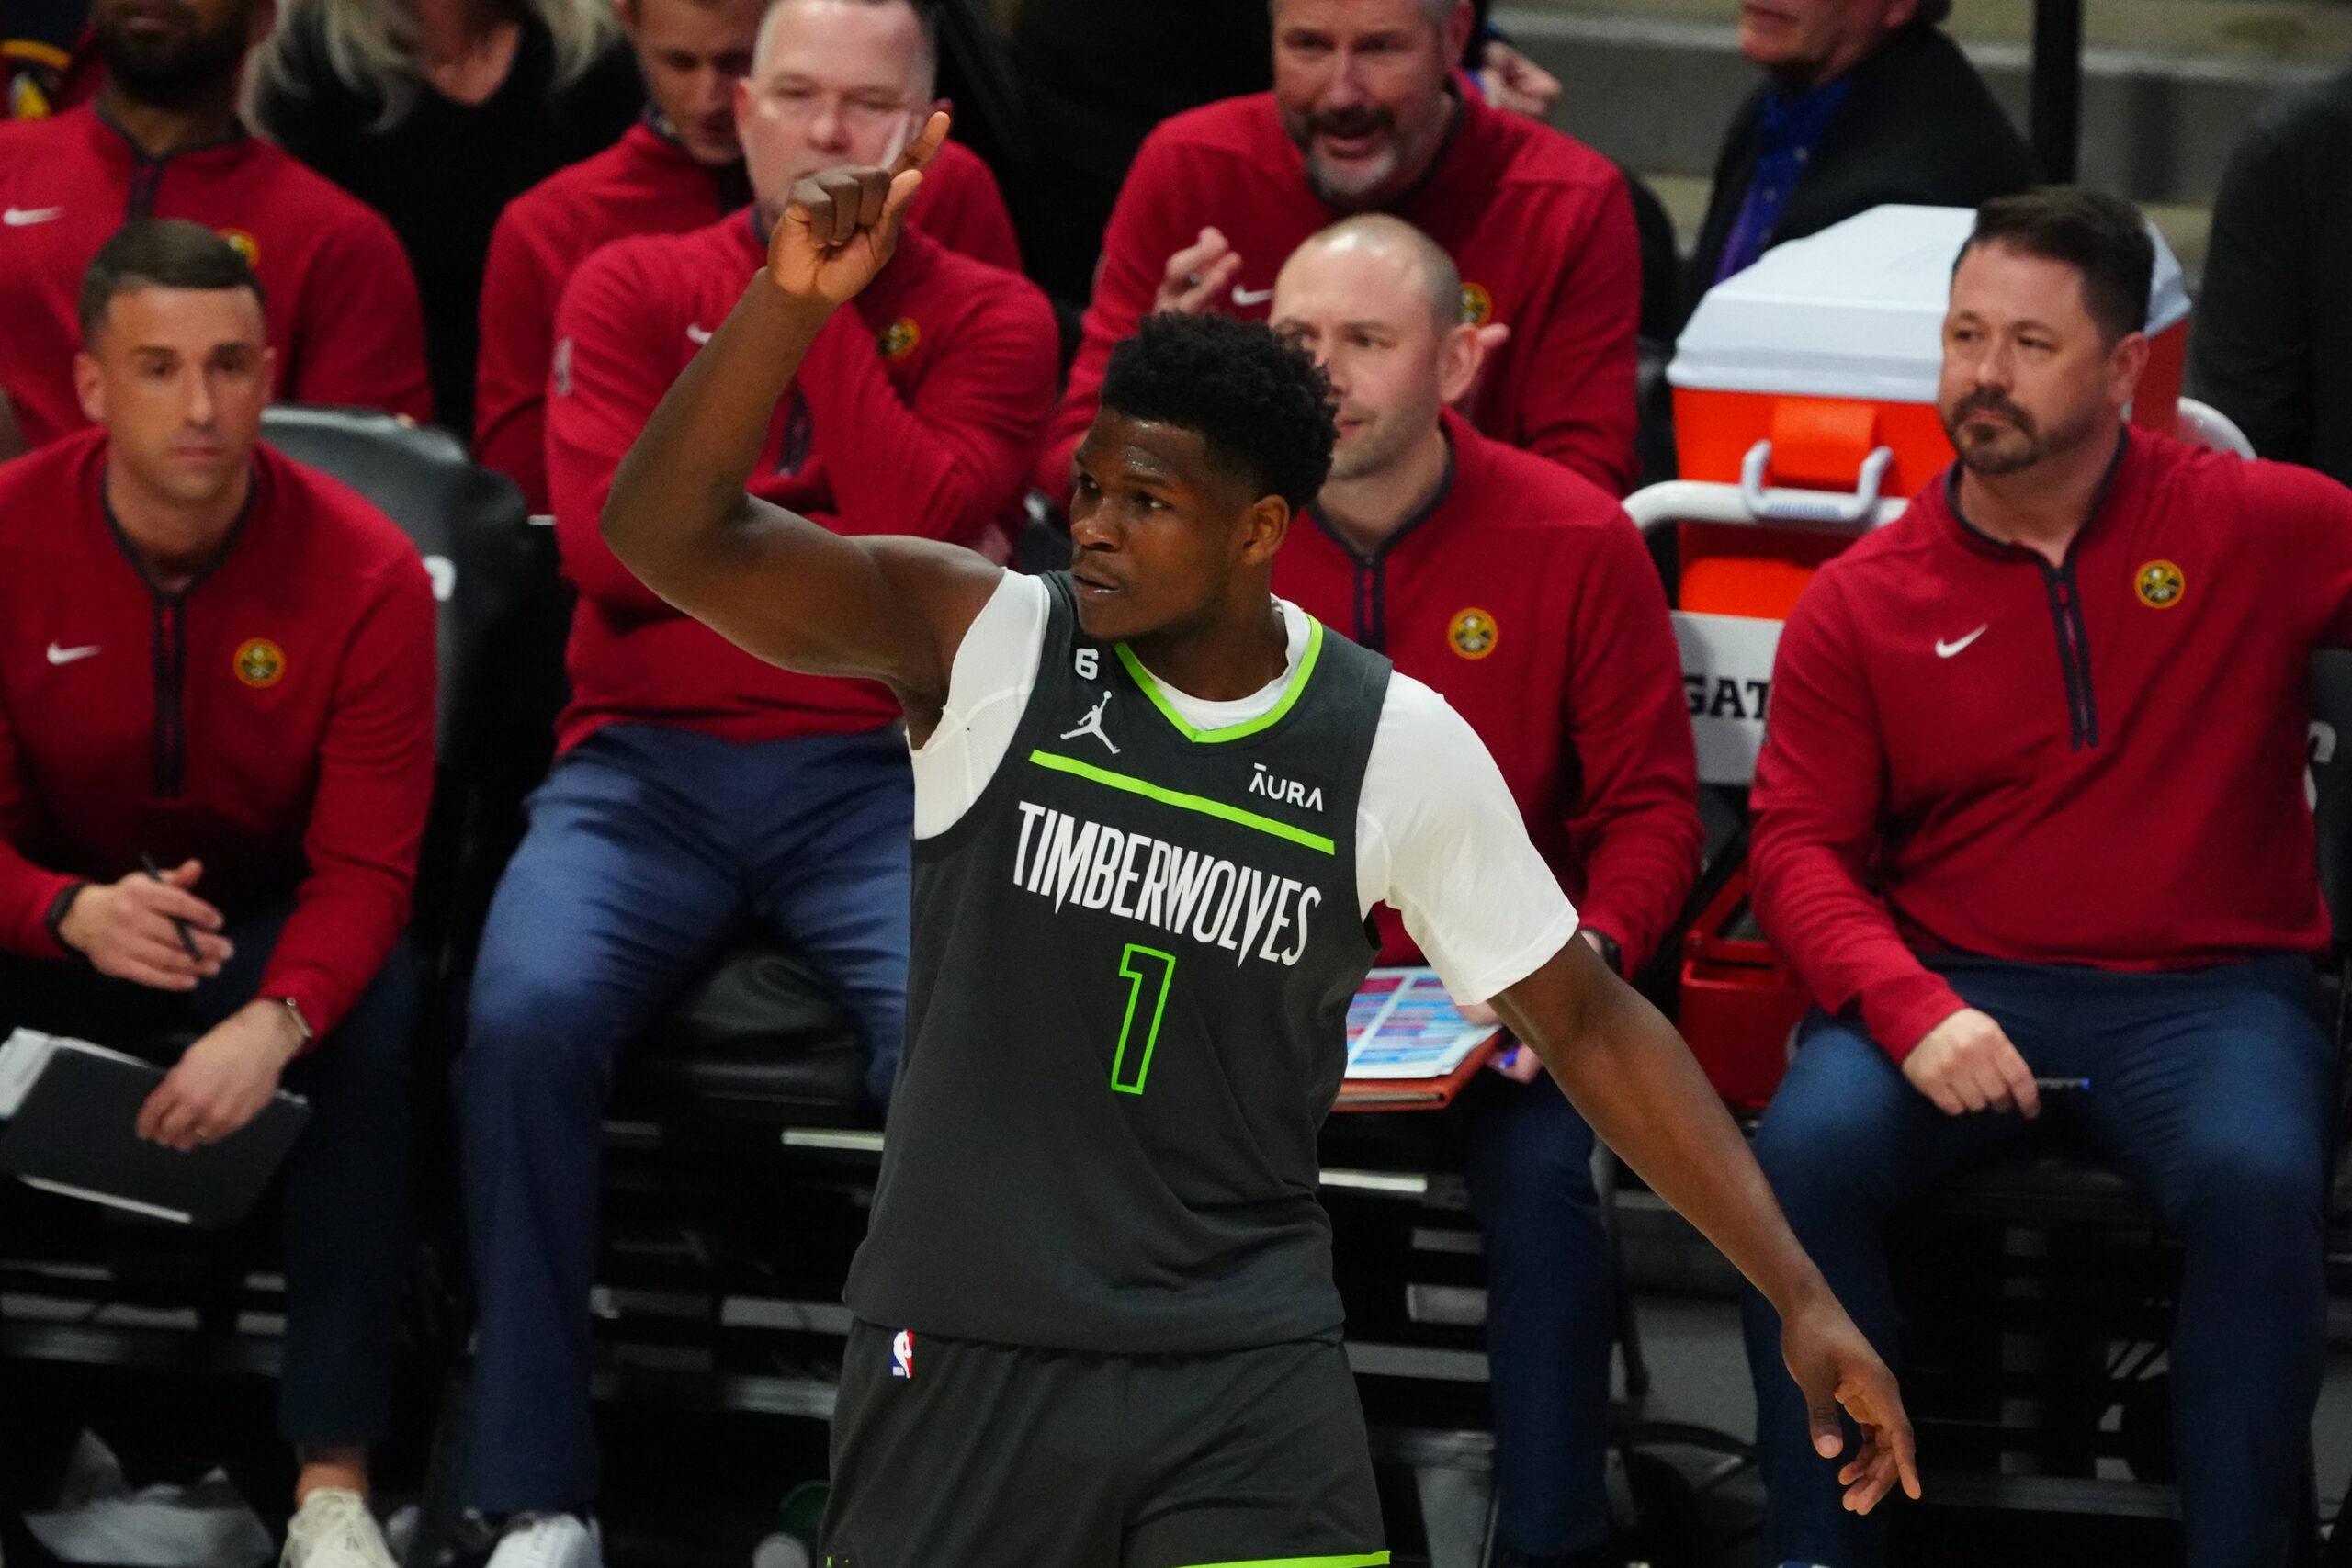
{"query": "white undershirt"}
(1438, 836)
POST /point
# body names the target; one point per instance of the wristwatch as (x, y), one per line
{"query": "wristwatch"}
(301, 1024)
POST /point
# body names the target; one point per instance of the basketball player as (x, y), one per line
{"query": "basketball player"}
(1096, 1324)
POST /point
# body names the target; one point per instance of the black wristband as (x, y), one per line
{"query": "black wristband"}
(59, 908)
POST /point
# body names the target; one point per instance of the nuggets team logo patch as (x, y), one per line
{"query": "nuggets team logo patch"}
(260, 663)
(1477, 305)
(244, 245)
(2160, 585)
(1473, 634)
(903, 1355)
(899, 338)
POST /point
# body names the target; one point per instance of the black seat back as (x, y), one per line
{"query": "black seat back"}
(2331, 789)
(471, 526)
(464, 521)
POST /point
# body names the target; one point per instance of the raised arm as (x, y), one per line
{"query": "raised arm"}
(773, 583)
(1634, 1080)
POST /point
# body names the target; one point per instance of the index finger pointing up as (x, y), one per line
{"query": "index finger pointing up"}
(925, 146)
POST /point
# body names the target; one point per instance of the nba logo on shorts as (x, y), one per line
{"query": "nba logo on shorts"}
(903, 1355)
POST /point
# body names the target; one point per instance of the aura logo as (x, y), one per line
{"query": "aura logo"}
(1290, 792)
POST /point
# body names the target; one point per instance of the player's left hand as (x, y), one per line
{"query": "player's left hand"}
(224, 1079)
(840, 228)
(1834, 1366)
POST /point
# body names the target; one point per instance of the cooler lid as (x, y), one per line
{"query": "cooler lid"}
(1854, 311)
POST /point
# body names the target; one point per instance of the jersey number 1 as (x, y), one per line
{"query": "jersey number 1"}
(1138, 966)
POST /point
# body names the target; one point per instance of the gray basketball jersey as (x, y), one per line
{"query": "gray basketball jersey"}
(1126, 1019)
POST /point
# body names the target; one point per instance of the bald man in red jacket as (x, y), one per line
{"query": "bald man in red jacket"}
(1520, 591)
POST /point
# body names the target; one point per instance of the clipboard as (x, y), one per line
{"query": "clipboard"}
(72, 1109)
(1409, 1046)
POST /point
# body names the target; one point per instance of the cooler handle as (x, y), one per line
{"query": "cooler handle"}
(1776, 505)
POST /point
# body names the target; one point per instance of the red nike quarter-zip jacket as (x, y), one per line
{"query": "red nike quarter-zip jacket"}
(645, 183)
(1540, 225)
(1969, 750)
(275, 720)
(340, 300)
(918, 411)
(1525, 598)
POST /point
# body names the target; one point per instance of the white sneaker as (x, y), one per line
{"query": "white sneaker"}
(333, 1529)
(548, 1540)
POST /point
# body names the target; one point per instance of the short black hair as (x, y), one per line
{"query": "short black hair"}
(2102, 236)
(160, 253)
(1260, 402)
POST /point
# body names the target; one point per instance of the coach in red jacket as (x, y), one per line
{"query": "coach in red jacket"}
(2030, 808)
(163, 140)
(1367, 115)
(698, 787)
(1521, 592)
(682, 168)
(216, 662)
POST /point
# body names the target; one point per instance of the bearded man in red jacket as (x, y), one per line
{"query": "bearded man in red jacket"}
(2031, 822)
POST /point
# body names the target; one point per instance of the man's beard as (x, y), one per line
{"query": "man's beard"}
(1344, 188)
(177, 70)
(1991, 456)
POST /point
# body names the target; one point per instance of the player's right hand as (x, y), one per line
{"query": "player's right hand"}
(840, 228)
(125, 929)
(1966, 1062)
(1196, 278)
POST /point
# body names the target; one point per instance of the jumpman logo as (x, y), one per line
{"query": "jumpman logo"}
(1092, 724)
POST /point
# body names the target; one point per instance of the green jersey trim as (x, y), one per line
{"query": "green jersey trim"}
(1243, 730)
(1178, 798)
(1363, 1560)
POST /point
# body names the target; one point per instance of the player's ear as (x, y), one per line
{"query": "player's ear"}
(1263, 529)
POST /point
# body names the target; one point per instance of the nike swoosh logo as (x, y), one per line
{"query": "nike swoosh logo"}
(696, 335)
(70, 655)
(24, 217)
(1946, 649)
(1246, 297)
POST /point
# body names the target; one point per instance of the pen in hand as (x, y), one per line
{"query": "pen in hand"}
(188, 938)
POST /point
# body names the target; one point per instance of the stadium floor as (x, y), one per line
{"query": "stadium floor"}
(699, 1489)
